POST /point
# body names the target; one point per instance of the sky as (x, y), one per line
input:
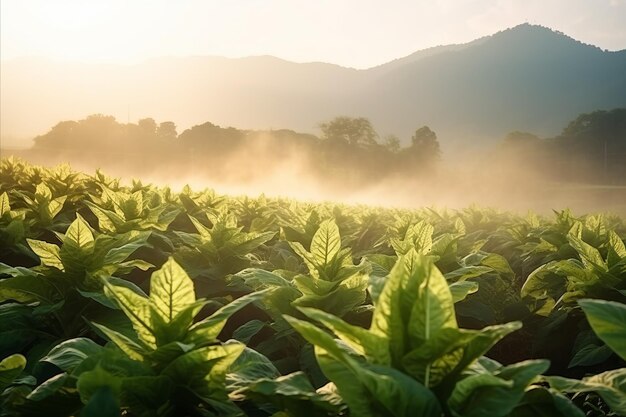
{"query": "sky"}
(353, 33)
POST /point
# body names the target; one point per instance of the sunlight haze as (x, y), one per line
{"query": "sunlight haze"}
(351, 33)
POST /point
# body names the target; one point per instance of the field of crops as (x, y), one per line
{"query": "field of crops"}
(140, 301)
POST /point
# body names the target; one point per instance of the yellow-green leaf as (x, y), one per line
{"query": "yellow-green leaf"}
(171, 290)
(326, 243)
(79, 234)
(47, 252)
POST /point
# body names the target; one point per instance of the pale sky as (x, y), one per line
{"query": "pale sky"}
(354, 33)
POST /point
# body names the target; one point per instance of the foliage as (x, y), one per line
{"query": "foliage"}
(137, 300)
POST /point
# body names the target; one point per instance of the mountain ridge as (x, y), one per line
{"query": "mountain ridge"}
(528, 77)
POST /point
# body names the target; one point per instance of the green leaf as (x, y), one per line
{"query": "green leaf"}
(610, 385)
(617, 249)
(70, 353)
(204, 370)
(126, 345)
(326, 243)
(103, 403)
(465, 388)
(90, 382)
(5, 207)
(542, 402)
(133, 241)
(371, 345)
(49, 387)
(207, 330)
(137, 308)
(590, 354)
(171, 290)
(10, 368)
(608, 321)
(249, 367)
(588, 254)
(460, 290)
(369, 390)
(27, 287)
(79, 235)
(388, 320)
(484, 396)
(292, 393)
(47, 252)
(433, 310)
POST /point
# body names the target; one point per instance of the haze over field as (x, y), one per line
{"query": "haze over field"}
(527, 78)
(507, 102)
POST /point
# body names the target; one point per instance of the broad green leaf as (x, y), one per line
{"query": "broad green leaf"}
(617, 249)
(542, 402)
(135, 240)
(610, 385)
(371, 345)
(306, 257)
(171, 290)
(588, 254)
(79, 235)
(137, 308)
(422, 237)
(204, 370)
(483, 396)
(107, 220)
(10, 368)
(465, 388)
(43, 190)
(126, 345)
(27, 287)
(68, 354)
(395, 393)
(47, 252)
(433, 310)
(460, 290)
(292, 393)
(608, 321)
(368, 389)
(49, 387)
(250, 366)
(590, 354)
(326, 243)
(207, 330)
(5, 207)
(478, 345)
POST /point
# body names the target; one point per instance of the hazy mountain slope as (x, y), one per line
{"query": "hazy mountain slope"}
(527, 78)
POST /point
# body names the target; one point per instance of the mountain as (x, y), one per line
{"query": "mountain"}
(525, 78)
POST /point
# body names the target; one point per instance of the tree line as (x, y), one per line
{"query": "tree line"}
(590, 149)
(348, 147)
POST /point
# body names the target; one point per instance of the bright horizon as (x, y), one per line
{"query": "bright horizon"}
(352, 33)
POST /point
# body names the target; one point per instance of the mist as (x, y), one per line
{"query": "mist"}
(484, 178)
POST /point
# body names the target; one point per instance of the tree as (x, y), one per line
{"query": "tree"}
(392, 143)
(424, 143)
(148, 126)
(354, 131)
(167, 131)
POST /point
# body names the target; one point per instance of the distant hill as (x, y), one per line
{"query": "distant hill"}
(526, 78)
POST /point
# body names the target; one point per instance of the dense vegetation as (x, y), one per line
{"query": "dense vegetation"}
(590, 149)
(136, 300)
